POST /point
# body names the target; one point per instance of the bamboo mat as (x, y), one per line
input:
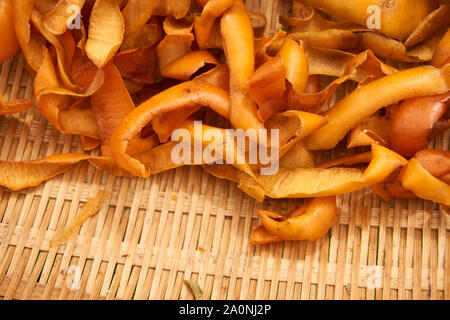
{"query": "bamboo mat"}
(184, 224)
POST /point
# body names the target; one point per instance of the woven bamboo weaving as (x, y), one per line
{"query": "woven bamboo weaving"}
(187, 225)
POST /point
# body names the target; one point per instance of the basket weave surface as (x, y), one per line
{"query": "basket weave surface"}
(185, 224)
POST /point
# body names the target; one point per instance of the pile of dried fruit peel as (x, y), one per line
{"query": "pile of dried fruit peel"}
(126, 73)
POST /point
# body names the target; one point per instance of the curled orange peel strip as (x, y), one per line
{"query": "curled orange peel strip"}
(238, 37)
(417, 179)
(10, 44)
(184, 67)
(203, 24)
(14, 106)
(189, 93)
(366, 100)
(309, 222)
(316, 182)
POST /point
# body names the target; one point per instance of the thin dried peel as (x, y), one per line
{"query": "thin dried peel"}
(374, 129)
(245, 182)
(84, 87)
(309, 222)
(418, 180)
(298, 157)
(24, 174)
(441, 55)
(176, 8)
(191, 93)
(139, 65)
(174, 46)
(431, 24)
(135, 15)
(10, 44)
(91, 208)
(79, 121)
(64, 46)
(318, 31)
(435, 162)
(366, 100)
(106, 31)
(314, 182)
(159, 159)
(50, 96)
(31, 43)
(237, 34)
(18, 105)
(397, 19)
(186, 66)
(267, 87)
(89, 143)
(111, 104)
(285, 74)
(363, 67)
(195, 289)
(57, 19)
(203, 24)
(360, 158)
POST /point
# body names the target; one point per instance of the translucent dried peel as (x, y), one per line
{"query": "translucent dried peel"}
(106, 31)
(50, 96)
(435, 162)
(89, 143)
(267, 86)
(218, 76)
(24, 174)
(91, 208)
(392, 49)
(159, 159)
(245, 182)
